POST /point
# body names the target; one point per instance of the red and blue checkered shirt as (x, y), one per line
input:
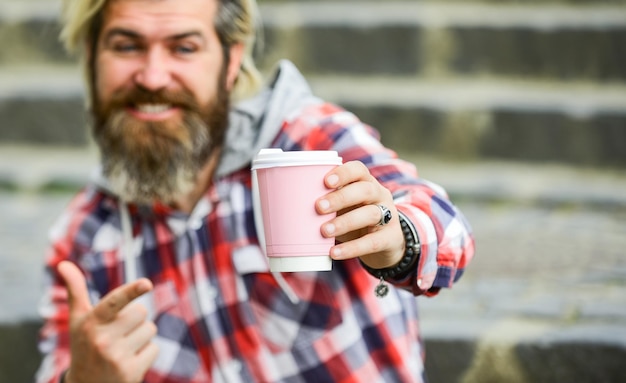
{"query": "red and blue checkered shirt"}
(222, 316)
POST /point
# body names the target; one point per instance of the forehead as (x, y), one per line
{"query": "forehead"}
(153, 17)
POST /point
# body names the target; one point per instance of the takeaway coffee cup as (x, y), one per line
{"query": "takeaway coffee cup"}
(285, 188)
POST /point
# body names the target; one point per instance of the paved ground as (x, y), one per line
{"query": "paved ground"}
(550, 265)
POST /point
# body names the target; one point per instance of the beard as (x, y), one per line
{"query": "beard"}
(158, 161)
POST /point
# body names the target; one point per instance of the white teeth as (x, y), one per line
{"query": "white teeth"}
(153, 108)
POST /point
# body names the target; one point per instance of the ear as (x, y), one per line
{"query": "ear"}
(236, 56)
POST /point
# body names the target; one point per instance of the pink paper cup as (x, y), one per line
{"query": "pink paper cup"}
(287, 184)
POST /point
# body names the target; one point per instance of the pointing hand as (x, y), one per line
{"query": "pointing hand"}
(111, 341)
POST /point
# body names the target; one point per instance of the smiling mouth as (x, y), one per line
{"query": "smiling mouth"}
(153, 108)
(153, 111)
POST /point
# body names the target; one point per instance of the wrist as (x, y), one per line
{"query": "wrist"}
(406, 264)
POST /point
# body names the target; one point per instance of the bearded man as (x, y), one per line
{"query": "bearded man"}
(155, 272)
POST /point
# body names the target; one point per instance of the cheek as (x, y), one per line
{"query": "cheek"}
(110, 76)
(201, 79)
(202, 89)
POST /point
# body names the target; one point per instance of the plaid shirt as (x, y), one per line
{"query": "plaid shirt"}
(222, 316)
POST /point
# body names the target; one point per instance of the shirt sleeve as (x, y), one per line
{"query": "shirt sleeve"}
(447, 242)
(54, 339)
(54, 309)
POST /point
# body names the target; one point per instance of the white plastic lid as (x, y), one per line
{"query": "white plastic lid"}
(270, 158)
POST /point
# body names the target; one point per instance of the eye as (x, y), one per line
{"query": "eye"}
(184, 49)
(126, 46)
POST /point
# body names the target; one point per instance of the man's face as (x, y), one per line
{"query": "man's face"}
(160, 95)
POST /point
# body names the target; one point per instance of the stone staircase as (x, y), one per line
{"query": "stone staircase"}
(541, 81)
(532, 81)
(537, 81)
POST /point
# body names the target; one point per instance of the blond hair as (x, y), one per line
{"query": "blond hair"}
(236, 22)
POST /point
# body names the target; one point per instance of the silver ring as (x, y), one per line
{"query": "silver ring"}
(385, 216)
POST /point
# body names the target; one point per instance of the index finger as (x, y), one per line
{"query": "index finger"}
(347, 173)
(107, 309)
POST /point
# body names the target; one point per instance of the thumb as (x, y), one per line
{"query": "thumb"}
(76, 287)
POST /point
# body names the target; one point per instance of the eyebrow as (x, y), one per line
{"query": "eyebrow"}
(132, 34)
(185, 35)
(120, 31)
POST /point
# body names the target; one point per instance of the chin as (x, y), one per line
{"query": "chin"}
(147, 190)
(152, 162)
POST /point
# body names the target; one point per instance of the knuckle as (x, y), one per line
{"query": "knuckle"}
(152, 329)
(387, 193)
(349, 222)
(102, 343)
(112, 303)
(141, 311)
(375, 214)
(360, 166)
(371, 191)
(153, 348)
(339, 198)
(356, 169)
(118, 359)
(376, 244)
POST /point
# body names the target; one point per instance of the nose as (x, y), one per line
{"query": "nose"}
(154, 73)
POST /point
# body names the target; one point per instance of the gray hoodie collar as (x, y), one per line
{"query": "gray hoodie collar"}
(255, 122)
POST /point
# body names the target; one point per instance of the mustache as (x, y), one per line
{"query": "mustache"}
(136, 95)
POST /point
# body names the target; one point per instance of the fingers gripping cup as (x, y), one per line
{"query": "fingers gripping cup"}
(285, 187)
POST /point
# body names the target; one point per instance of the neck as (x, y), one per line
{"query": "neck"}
(203, 182)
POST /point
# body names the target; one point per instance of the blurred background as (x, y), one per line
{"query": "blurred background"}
(517, 108)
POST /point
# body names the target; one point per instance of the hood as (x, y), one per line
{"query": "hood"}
(255, 122)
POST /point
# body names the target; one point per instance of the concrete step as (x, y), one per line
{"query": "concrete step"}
(576, 123)
(53, 168)
(42, 104)
(569, 356)
(433, 39)
(407, 38)
(29, 32)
